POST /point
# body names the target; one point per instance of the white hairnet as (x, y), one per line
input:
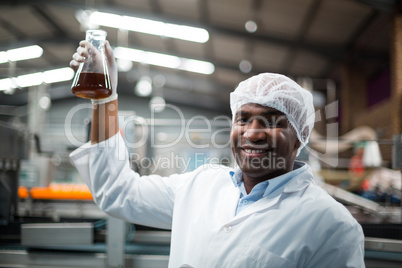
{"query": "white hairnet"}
(281, 93)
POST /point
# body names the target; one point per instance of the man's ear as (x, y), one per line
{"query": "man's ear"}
(297, 144)
(296, 147)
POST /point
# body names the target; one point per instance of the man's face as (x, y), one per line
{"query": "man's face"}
(263, 142)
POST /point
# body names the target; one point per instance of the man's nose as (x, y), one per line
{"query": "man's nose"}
(255, 132)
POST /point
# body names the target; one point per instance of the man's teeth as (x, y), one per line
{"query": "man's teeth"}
(250, 151)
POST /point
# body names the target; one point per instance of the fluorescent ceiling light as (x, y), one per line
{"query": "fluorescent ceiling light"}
(161, 60)
(153, 27)
(23, 53)
(34, 79)
(58, 75)
(3, 57)
(197, 66)
(7, 84)
(30, 80)
(164, 60)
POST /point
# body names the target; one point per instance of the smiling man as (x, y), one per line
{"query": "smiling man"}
(267, 212)
(263, 143)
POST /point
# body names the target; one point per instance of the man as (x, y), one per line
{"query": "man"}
(268, 212)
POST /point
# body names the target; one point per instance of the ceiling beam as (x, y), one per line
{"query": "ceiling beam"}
(155, 6)
(204, 18)
(203, 8)
(329, 52)
(351, 50)
(12, 30)
(383, 5)
(44, 15)
(305, 26)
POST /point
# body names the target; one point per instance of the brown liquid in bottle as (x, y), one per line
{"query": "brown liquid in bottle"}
(92, 86)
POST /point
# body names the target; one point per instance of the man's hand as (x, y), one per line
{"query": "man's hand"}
(86, 51)
(104, 111)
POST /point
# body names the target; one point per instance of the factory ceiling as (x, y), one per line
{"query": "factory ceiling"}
(299, 38)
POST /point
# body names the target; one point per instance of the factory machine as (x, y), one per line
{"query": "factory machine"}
(376, 203)
(46, 224)
(12, 150)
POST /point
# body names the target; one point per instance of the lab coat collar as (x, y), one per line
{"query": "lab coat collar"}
(298, 183)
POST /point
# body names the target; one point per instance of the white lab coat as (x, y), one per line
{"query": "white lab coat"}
(302, 226)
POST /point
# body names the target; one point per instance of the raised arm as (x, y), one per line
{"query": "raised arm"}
(105, 166)
(104, 112)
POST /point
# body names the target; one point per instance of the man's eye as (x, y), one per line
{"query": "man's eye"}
(272, 124)
(241, 120)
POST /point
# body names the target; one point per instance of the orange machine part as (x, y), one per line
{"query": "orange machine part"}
(57, 191)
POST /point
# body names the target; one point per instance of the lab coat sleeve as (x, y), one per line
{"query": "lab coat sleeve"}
(344, 247)
(119, 191)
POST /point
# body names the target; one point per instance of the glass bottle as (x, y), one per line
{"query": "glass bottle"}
(92, 79)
